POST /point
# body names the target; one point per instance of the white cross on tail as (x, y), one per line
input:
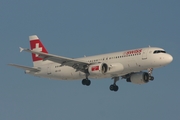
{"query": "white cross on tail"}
(37, 48)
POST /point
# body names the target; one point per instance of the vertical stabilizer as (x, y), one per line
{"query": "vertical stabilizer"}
(36, 45)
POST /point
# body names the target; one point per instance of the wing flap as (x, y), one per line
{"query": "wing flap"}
(25, 67)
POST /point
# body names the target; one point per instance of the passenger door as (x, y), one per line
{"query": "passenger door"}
(144, 53)
(49, 69)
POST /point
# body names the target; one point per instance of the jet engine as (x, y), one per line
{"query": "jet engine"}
(115, 68)
(98, 69)
(139, 78)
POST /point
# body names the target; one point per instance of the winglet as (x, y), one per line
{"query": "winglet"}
(21, 49)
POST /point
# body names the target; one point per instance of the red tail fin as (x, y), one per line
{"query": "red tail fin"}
(36, 45)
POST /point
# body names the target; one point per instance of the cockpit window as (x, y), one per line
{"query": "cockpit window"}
(159, 51)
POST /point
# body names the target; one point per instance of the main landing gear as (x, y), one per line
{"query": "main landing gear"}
(150, 70)
(86, 82)
(114, 87)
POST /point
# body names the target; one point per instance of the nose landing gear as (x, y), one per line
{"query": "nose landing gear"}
(150, 70)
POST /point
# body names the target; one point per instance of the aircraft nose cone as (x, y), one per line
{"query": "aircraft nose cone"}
(170, 58)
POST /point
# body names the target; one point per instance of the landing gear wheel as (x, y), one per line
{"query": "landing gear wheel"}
(113, 87)
(86, 82)
(151, 78)
(116, 88)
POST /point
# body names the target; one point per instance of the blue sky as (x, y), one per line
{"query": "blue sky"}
(76, 28)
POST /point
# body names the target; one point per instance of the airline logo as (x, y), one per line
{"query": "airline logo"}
(37, 48)
(94, 68)
(133, 52)
(36, 45)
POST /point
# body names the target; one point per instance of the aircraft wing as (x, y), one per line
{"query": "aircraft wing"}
(78, 65)
(25, 67)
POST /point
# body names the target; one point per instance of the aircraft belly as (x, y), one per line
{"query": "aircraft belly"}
(43, 73)
(66, 73)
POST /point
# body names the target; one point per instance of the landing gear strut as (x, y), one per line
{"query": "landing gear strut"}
(114, 87)
(150, 70)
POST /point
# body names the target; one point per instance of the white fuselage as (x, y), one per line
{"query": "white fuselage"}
(120, 63)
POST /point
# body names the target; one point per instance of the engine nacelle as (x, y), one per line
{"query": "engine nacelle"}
(115, 68)
(139, 78)
(98, 69)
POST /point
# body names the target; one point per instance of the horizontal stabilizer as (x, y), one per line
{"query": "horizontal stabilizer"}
(25, 67)
(21, 49)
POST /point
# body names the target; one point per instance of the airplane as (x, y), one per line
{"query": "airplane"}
(134, 65)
